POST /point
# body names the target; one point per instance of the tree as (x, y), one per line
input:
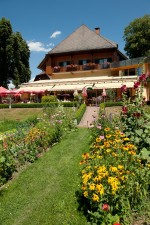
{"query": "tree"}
(137, 37)
(5, 34)
(14, 56)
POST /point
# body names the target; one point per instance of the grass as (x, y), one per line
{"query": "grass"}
(18, 114)
(44, 193)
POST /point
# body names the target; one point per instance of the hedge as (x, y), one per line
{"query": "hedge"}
(80, 112)
(38, 105)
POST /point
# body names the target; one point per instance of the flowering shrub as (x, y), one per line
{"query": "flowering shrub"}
(29, 142)
(135, 121)
(114, 181)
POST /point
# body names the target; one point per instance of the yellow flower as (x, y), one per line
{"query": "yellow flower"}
(122, 135)
(98, 140)
(120, 167)
(106, 144)
(108, 135)
(108, 150)
(114, 154)
(100, 189)
(117, 131)
(92, 187)
(117, 140)
(107, 129)
(126, 139)
(95, 198)
(132, 152)
(85, 193)
(125, 148)
(113, 169)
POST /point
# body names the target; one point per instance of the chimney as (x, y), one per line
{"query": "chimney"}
(97, 30)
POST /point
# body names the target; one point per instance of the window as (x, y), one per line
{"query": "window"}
(83, 62)
(65, 63)
(102, 60)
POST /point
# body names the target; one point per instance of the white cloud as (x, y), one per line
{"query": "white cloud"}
(55, 34)
(37, 46)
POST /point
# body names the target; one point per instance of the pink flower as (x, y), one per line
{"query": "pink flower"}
(99, 127)
(101, 137)
(136, 84)
(105, 207)
(123, 88)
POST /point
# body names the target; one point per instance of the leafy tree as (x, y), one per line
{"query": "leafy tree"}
(137, 37)
(5, 69)
(14, 62)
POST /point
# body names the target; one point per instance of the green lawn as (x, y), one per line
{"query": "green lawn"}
(44, 193)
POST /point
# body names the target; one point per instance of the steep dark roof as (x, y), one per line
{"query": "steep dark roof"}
(83, 39)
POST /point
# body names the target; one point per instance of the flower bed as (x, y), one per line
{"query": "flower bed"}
(114, 179)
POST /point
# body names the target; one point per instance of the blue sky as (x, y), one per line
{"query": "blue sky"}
(44, 24)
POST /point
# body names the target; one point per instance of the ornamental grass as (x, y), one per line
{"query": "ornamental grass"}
(114, 179)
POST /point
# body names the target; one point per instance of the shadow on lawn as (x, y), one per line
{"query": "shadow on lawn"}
(83, 204)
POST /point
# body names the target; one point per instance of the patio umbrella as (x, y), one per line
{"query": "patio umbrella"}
(2, 89)
(84, 92)
(75, 92)
(104, 92)
(10, 93)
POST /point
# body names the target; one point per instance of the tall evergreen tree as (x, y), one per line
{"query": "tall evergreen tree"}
(137, 37)
(16, 52)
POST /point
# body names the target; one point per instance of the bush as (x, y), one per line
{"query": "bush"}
(48, 99)
(80, 112)
(110, 104)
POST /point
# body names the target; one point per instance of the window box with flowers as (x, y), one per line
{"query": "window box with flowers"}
(89, 66)
(71, 67)
(56, 69)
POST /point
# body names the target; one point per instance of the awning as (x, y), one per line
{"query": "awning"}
(113, 85)
(36, 88)
(70, 87)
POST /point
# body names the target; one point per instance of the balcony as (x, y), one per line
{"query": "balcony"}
(127, 62)
(74, 67)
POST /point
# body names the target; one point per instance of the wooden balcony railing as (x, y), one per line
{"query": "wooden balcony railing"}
(74, 67)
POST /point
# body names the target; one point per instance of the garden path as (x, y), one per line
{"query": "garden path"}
(90, 115)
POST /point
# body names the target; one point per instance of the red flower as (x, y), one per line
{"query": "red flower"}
(142, 77)
(105, 207)
(124, 109)
(136, 84)
(116, 223)
(136, 114)
(124, 88)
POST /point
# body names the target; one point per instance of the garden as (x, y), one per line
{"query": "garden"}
(52, 172)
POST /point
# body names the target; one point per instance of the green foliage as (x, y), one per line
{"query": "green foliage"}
(80, 112)
(48, 99)
(14, 56)
(109, 104)
(137, 36)
(111, 94)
